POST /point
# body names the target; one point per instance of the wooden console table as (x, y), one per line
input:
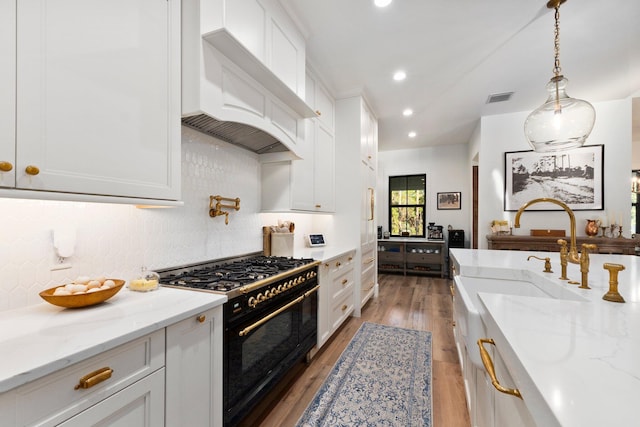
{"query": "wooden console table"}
(606, 245)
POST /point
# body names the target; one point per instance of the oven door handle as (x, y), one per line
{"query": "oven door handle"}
(273, 314)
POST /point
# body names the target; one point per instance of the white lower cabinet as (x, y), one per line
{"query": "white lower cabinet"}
(336, 295)
(72, 391)
(487, 406)
(368, 274)
(140, 404)
(174, 372)
(194, 371)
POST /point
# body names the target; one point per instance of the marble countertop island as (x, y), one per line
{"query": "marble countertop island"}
(43, 338)
(577, 363)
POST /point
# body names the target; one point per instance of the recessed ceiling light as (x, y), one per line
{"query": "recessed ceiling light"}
(407, 112)
(382, 3)
(399, 75)
(412, 134)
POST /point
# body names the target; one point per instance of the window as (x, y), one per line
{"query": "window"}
(407, 205)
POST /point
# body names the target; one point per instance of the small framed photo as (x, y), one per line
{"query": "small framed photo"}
(449, 201)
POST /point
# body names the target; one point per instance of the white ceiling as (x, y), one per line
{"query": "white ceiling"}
(458, 52)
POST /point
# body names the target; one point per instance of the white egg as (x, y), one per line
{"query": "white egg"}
(93, 284)
(101, 279)
(77, 288)
(69, 286)
(92, 290)
(109, 283)
(82, 280)
(60, 290)
(79, 293)
(103, 287)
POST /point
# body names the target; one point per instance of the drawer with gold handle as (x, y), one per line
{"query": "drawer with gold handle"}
(93, 378)
(488, 365)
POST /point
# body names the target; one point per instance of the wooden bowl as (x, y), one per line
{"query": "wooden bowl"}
(82, 300)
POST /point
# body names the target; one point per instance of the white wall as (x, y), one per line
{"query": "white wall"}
(117, 240)
(447, 170)
(503, 133)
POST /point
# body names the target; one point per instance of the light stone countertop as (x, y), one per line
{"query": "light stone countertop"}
(43, 338)
(322, 253)
(577, 363)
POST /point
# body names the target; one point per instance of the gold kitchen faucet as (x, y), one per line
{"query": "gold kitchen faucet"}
(573, 256)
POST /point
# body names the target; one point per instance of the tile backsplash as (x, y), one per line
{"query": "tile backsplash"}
(117, 240)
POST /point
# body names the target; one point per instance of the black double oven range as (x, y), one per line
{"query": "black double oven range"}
(270, 320)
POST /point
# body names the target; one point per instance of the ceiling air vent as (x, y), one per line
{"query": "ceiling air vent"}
(499, 97)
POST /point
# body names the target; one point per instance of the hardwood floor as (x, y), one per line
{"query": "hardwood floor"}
(415, 302)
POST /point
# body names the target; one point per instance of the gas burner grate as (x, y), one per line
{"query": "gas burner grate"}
(227, 276)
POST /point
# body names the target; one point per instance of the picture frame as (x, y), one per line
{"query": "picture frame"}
(575, 177)
(449, 200)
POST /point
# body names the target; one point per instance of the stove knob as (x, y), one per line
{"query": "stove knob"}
(252, 302)
(280, 288)
(260, 297)
(309, 274)
(267, 294)
(303, 279)
(289, 284)
(274, 292)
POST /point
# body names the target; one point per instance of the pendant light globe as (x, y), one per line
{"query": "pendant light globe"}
(561, 123)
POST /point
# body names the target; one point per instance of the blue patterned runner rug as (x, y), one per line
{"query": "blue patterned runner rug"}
(383, 378)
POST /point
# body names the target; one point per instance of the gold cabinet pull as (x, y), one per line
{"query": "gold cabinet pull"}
(372, 200)
(95, 377)
(350, 258)
(318, 206)
(344, 307)
(201, 318)
(338, 264)
(32, 170)
(344, 282)
(5, 166)
(370, 260)
(318, 112)
(488, 365)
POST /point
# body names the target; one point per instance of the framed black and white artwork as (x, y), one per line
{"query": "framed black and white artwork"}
(451, 200)
(574, 177)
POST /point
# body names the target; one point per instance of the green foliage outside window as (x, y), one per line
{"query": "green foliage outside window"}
(407, 205)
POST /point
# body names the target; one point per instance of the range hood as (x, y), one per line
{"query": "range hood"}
(232, 95)
(240, 134)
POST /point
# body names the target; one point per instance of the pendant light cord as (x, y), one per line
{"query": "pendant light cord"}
(556, 44)
(557, 70)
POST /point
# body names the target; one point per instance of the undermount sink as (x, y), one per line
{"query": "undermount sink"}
(468, 308)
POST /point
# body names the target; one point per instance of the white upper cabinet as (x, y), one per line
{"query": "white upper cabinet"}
(97, 98)
(321, 101)
(369, 137)
(313, 179)
(8, 91)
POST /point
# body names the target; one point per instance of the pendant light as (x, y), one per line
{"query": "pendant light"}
(562, 122)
